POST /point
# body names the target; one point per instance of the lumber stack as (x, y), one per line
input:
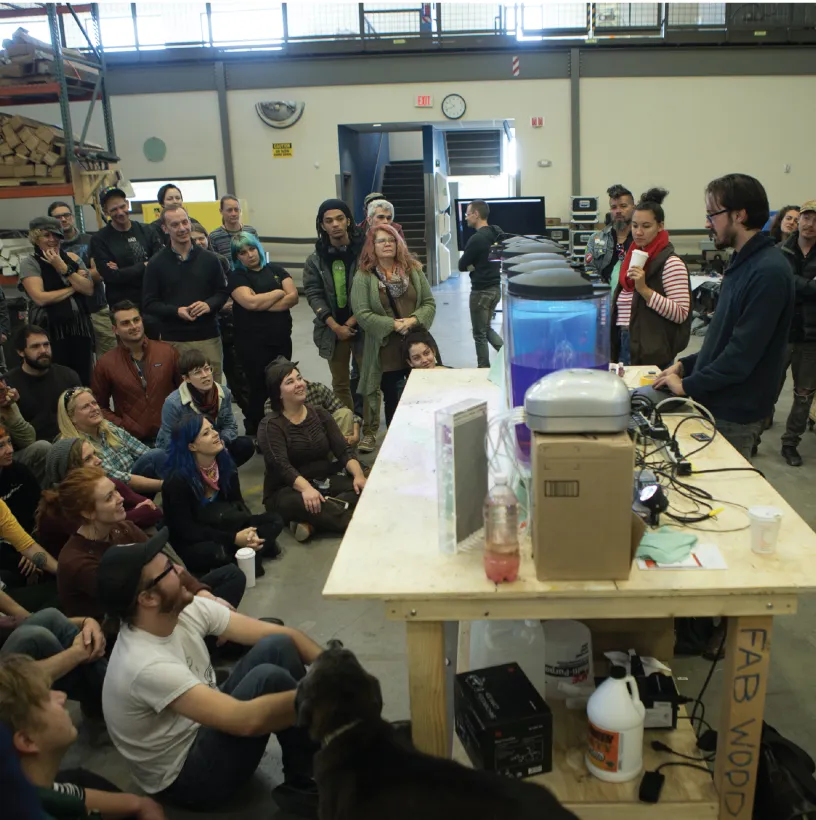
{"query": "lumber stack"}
(12, 250)
(25, 59)
(31, 152)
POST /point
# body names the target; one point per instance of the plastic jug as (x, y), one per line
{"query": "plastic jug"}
(568, 655)
(497, 642)
(615, 731)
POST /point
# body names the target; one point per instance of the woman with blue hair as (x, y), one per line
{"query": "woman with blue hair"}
(262, 295)
(204, 509)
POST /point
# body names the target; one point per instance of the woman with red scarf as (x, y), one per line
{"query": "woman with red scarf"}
(651, 304)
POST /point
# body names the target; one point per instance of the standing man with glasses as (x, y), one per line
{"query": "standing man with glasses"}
(737, 373)
(485, 291)
(80, 243)
(606, 249)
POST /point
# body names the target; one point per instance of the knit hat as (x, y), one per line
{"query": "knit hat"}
(374, 195)
(333, 205)
(810, 205)
(58, 460)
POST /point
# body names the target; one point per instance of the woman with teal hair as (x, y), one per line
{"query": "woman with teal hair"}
(262, 295)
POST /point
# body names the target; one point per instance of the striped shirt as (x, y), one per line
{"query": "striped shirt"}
(221, 240)
(674, 306)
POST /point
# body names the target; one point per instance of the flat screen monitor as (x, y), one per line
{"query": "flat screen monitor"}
(515, 214)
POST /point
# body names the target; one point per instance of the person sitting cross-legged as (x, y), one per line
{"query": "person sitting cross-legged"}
(42, 733)
(205, 512)
(185, 739)
(200, 393)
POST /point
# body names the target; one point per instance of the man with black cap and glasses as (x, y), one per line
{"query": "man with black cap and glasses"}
(327, 278)
(186, 739)
(121, 250)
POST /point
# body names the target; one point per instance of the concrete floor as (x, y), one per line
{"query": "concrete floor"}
(292, 588)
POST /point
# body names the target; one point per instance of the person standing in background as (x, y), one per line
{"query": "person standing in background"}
(231, 225)
(121, 251)
(327, 278)
(784, 223)
(80, 243)
(379, 212)
(485, 291)
(167, 196)
(800, 251)
(58, 283)
(184, 288)
(606, 249)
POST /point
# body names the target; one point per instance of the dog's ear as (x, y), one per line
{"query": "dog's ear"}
(303, 709)
(376, 695)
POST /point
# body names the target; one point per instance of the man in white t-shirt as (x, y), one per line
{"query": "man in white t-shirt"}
(186, 740)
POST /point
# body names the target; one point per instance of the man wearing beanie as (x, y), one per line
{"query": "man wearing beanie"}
(327, 278)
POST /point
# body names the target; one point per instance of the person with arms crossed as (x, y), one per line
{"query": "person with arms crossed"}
(737, 373)
(184, 738)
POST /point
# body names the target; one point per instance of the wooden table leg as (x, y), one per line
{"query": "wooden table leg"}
(426, 686)
(747, 663)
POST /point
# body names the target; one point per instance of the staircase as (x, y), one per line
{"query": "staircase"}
(404, 187)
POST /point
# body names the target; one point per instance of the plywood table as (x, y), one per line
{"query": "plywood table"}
(390, 553)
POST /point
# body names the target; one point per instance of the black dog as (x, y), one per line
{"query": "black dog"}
(366, 771)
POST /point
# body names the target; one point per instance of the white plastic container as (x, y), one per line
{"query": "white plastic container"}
(245, 558)
(615, 731)
(493, 643)
(765, 523)
(568, 655)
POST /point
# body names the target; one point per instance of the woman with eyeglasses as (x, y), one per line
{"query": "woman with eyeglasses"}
(58, 283)
(205, 511)
(88, 498)
(201, 394)
(262, 295)
(651, 303)
(122, 456)
(784, 223)
(390, 297)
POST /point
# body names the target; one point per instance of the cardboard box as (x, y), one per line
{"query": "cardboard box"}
(582, 507)
(502, 721)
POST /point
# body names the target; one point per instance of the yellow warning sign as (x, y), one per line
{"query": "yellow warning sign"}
(281, 149)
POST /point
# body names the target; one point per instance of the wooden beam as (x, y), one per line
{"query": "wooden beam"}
(426, 686)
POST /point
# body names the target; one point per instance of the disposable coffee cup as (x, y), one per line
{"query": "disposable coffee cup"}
(639, 259)
(246, 563)
(765, 522)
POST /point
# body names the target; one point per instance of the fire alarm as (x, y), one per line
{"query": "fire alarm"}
(537, 122)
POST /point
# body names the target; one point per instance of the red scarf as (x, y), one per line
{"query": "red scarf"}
(654, 247)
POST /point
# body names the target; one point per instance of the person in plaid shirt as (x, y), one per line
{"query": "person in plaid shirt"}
(319, 395)
(123, 456)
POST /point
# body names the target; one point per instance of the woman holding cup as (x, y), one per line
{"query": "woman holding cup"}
(651, 304)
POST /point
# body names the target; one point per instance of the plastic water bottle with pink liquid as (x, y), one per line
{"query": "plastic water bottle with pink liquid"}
(501, 554)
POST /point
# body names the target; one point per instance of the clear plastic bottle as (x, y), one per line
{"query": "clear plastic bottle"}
(501, 555)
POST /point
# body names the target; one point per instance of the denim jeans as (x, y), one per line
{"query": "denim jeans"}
(741, 437)
(802, 360)
(625, 355)
(47, 633)
(218, 764)
(150, 464)
(482, 308)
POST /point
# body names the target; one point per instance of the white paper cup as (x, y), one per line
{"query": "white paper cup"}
(246, 563)
(639, 259)
(765, 522)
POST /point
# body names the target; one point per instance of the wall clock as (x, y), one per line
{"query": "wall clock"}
(454, 107)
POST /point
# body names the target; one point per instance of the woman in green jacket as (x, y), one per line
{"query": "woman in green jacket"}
(390, 297)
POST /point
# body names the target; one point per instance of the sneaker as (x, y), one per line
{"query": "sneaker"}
(791, 455)
(297, 797)
(367, 444)
(301, 531)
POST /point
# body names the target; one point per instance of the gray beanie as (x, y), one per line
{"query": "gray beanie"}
(58, 460)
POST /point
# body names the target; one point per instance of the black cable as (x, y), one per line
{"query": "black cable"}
(702, 721)
(686, 765)
(714, 663)
(659, 746)
(729, 470)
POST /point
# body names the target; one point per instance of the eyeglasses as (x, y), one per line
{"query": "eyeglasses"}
(384, 242)
(163, 574)
(710, 217)
(66, 215)
(201, 371)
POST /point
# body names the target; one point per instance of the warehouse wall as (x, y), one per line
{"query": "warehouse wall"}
(405, 145)
(696, 129)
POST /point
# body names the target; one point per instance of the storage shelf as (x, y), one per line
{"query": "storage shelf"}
(687, 794)
(23, 191)
(31, 93)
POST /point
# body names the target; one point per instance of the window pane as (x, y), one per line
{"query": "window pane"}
(380, 18)
(169, 23)
(627, 15)
(696, 15)
(248, 23)
(194, 190)
(116, 23)
(538, 17)
(471, 17)
(322, 20)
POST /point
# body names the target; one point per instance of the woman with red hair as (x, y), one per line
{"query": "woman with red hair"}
(390, 297)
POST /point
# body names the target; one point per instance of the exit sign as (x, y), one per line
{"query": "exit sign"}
(424, 101)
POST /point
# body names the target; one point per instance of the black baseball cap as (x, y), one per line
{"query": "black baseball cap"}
(110, 192)
(120, 572)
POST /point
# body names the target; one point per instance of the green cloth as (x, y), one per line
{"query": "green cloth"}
(377, 325)
(339, 276)
(666, 546)
(59, 806)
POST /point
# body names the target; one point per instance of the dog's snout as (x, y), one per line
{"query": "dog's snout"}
(334, 643)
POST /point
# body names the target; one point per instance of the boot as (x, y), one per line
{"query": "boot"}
(791, 455)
